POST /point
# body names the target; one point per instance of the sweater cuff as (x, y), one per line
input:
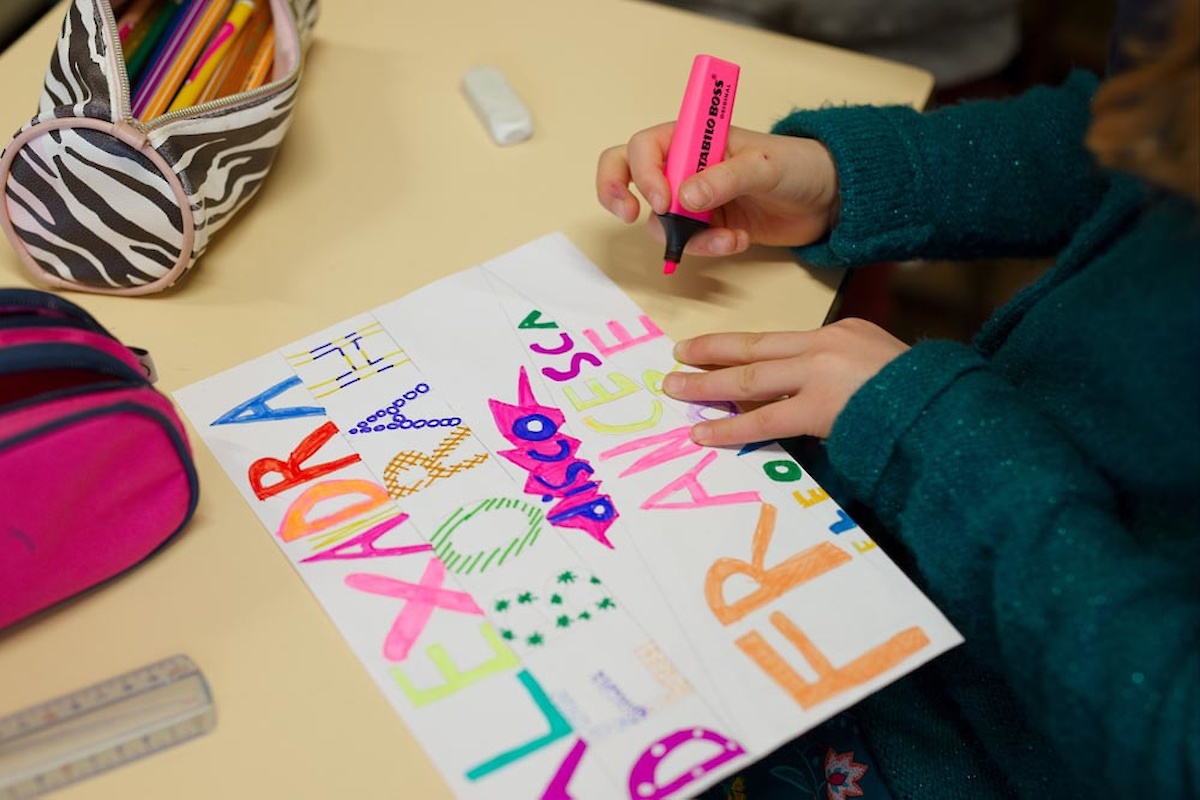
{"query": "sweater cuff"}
(882, 214)
(869, 430)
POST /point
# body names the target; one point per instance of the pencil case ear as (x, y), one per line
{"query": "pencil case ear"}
(96, 200)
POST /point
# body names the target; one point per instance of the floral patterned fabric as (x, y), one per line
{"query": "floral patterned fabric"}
(830, 762)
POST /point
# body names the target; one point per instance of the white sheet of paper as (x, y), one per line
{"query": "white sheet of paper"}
(485, 488)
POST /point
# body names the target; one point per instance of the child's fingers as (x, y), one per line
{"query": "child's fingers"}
(780, 420)
(727, 349)
(647, 152)
(751, 172)
(708, 242)
(612, 184)
(718, 242)
(761, 380)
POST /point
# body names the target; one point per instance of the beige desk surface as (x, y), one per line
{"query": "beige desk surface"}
(385, 182)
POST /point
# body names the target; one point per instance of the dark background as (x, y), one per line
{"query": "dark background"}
(925, 299)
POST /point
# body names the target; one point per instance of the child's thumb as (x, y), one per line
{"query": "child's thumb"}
(726, 181)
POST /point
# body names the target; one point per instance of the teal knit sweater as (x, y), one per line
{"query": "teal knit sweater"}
(1043, 484)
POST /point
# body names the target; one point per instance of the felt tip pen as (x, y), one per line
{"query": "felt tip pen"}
(697, 143)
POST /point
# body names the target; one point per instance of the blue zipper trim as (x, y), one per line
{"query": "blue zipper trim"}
(10, 321)
(19, 309)
(45, 301)
(58, 355)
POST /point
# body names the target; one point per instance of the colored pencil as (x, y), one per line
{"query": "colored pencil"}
(264, 60)
(214, 52)
(131, 16)
(188, 40)
(153, 41)
(231, 74)
(131, 43)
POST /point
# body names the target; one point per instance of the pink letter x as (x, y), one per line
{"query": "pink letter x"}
(421, 599)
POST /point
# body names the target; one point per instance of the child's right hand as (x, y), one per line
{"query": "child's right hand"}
(769, 189)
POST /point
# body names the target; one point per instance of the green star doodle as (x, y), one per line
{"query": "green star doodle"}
(562, 606)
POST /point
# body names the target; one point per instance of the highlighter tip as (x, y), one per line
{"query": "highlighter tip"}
(669, 267)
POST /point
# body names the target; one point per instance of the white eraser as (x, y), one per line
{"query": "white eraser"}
(497, 105)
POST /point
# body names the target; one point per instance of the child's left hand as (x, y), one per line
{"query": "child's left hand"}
(803, 378)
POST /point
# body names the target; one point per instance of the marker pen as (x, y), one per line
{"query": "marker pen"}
(697, 143)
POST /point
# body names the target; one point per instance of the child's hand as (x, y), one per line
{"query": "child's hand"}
(772, 190)
(804, 378)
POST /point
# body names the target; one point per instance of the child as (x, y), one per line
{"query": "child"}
(1043, 484)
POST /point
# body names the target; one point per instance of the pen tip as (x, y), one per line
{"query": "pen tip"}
(669, 267)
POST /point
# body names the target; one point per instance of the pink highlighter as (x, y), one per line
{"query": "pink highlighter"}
(697, 143)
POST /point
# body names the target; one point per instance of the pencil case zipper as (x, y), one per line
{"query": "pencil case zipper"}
(27, 308)
(111, 373)
(116, 63)
(38, 309)
(67, 355)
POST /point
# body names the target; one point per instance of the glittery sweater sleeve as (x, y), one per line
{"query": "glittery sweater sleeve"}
(1042, 485)
(1022, 543)
(981, 179)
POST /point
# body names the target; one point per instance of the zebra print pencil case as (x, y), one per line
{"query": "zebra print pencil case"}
(96, 200)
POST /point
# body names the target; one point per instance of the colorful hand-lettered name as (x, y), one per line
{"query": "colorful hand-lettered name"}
(549, 456)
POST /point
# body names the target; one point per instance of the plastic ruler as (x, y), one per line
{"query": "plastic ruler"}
(101, 727)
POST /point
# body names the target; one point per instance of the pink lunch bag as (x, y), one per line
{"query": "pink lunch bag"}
(96, 473)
